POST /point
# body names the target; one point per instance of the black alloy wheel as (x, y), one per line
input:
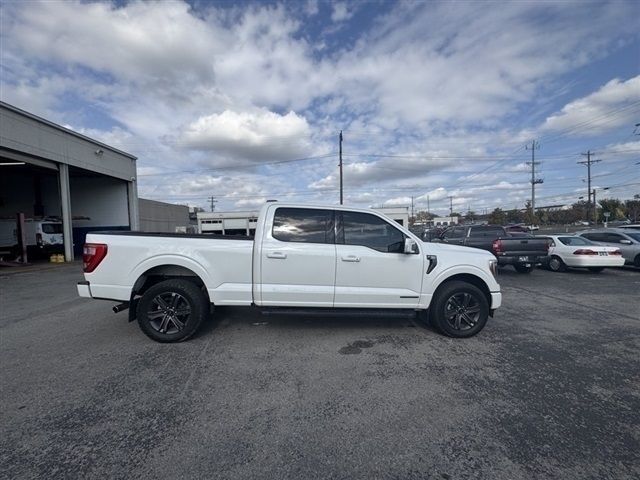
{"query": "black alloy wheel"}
(462, 311)
(459, 309)
(169, 312)
(172, 310)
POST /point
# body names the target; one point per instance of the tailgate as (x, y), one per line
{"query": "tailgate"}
(524, 246)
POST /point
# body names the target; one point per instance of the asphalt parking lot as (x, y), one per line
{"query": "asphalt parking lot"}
(549, 389)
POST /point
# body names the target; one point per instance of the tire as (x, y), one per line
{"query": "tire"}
(596, 269)
(556, 264)
(636, 261)
(521, 268)
(172, 310)
(459, 310)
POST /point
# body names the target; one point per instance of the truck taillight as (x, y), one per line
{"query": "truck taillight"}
(92, 255)
(497, 246)
(615, 252)
(585, 251)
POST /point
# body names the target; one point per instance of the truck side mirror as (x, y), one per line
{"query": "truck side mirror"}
(410, 246)
(625, 241)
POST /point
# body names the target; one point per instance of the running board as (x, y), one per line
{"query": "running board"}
(341, 312)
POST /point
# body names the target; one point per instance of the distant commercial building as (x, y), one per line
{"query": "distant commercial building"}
(445, 221)
(228, 223)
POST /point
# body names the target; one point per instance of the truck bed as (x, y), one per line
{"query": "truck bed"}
(223, 263)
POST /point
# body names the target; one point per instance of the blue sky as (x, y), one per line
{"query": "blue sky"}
(244, 100)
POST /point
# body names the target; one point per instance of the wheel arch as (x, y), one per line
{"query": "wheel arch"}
(468, 278)
(163, 272)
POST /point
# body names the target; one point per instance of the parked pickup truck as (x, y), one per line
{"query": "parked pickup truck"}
(522, 251)
(303, 259)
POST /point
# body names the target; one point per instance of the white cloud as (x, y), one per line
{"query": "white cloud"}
(609, 107)
(311, 8)
(341, 12)
(258, 135)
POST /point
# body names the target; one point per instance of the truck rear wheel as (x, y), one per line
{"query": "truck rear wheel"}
(459, 310)
(172, 310)
(523, 267)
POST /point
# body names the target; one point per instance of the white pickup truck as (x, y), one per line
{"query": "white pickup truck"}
(304, 259)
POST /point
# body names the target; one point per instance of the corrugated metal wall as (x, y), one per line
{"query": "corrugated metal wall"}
(162, 217)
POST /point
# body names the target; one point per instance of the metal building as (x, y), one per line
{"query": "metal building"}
(47, 170)
(163, 217)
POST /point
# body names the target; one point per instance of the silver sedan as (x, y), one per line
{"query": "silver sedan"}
(626, 240)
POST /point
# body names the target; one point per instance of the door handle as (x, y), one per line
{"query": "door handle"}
(279, 255)
(350, 258)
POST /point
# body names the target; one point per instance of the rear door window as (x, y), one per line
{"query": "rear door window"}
(303, 225)
(493, 232)
(454, 233)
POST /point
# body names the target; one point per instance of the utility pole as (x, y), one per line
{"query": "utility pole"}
(450, 206)
(341, 198)
(534, 181)
(412, 208)
(588, 162)
(213, 201)
(428, 211)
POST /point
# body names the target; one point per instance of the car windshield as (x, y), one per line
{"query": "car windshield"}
(572, 241)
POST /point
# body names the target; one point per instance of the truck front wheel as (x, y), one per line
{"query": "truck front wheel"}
(172, 310)
(459, 310)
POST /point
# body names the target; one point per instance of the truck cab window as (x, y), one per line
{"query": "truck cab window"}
(370, 231)
(455, 232)
(305, 225)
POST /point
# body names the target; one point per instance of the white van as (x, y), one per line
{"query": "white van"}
(40, 234)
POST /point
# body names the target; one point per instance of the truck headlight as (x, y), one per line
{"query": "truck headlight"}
(493, 266)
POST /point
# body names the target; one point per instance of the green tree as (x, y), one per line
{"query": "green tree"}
(497, 217)
(514, 216)
(614, 206)
(470, 216)
(633, 209)
(579, 210)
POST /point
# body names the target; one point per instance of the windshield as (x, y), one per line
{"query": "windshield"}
(51, 228)
(572, 241)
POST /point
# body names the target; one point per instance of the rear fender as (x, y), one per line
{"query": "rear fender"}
(171, 260)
